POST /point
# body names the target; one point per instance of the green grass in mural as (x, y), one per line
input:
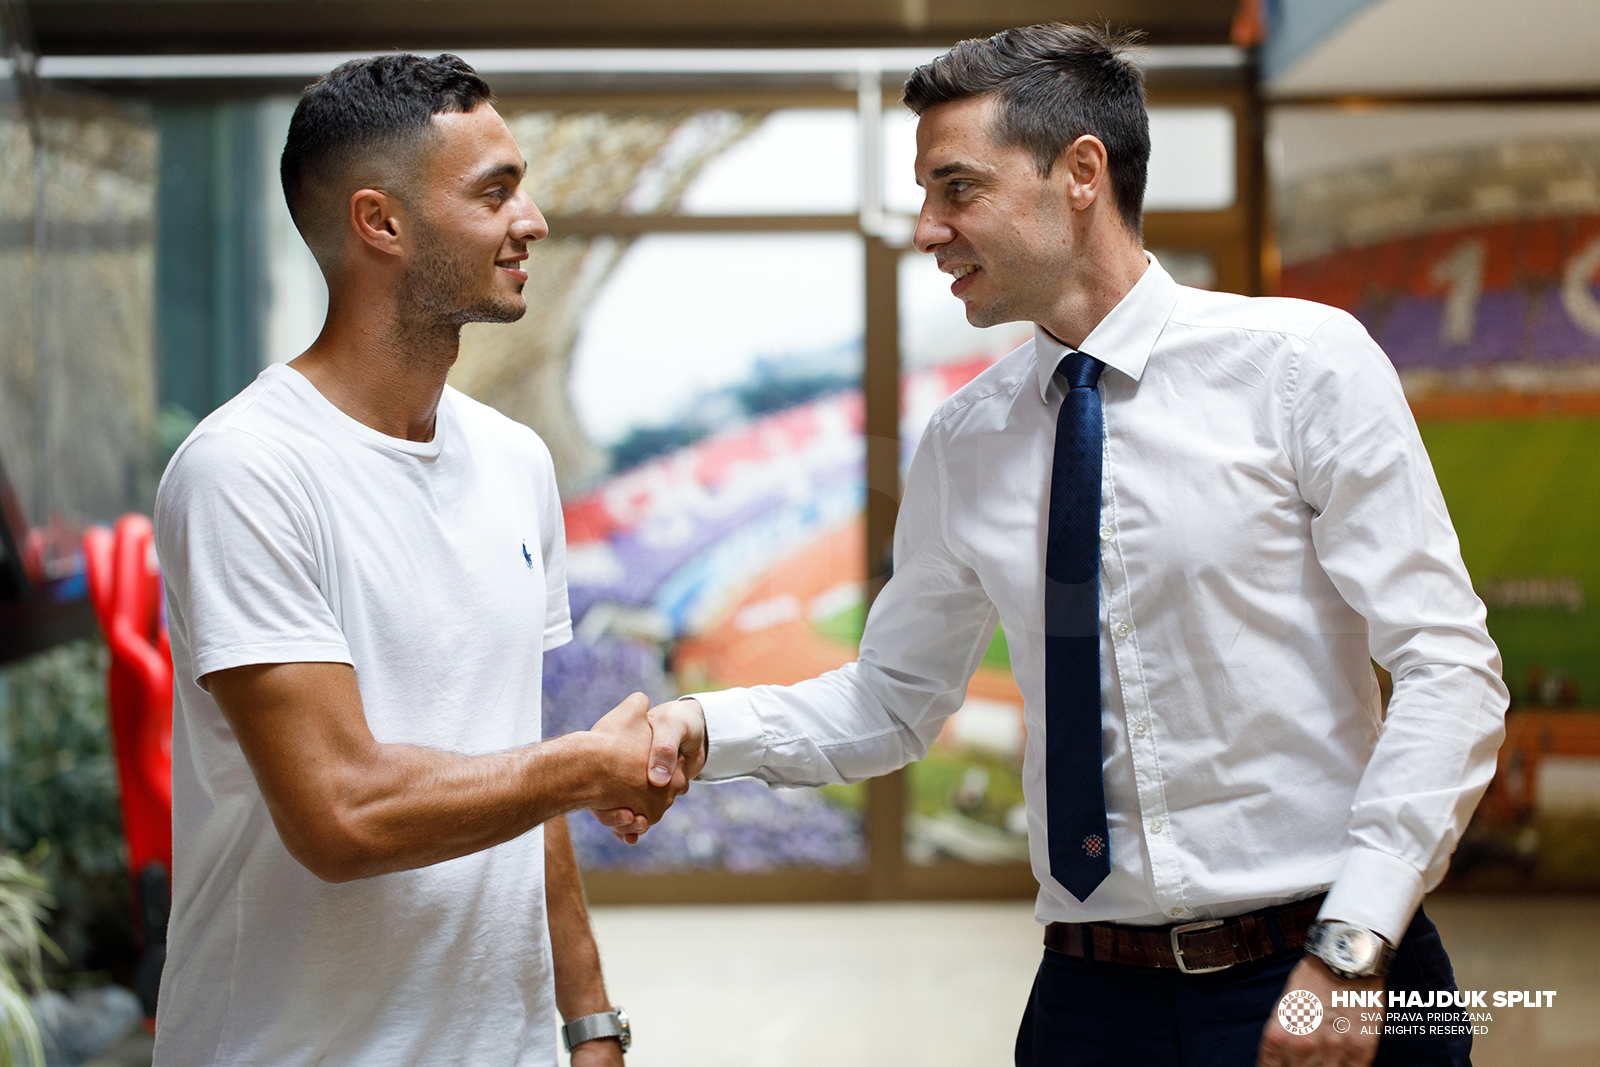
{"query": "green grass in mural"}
(1525, 498)
(932, 784)
(846, 628)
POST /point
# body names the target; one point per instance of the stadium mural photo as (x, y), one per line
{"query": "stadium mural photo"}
(1475, 268)
(738, 560)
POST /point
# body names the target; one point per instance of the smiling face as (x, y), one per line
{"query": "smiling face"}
(471, 223)
(995, 225)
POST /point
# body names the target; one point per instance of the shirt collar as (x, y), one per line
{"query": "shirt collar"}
(1124, 338)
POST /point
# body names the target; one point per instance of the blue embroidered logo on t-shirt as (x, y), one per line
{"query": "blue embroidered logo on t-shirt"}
(526, 556)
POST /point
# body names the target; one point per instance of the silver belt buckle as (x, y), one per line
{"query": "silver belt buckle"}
(1177, 953)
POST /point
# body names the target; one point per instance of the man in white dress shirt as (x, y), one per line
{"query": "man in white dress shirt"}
(1268, 524)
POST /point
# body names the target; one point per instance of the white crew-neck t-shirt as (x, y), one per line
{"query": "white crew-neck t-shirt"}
(290, 532)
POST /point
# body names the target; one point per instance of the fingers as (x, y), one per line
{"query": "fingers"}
(621, 820)
(678, 740)
(1340, 1040)
(668, 734)
(635, 735)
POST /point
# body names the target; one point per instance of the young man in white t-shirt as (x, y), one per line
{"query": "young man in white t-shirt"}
(364, 569)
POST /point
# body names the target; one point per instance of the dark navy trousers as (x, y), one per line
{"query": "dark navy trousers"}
(1081, 1014)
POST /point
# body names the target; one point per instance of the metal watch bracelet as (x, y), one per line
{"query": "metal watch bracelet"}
(1349, 951)
(613, 1023)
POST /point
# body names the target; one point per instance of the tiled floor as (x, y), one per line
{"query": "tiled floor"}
(1528, 943)
(930, 985)
(942, 985)
(826, 984)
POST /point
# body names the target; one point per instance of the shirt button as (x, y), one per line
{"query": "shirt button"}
(1140, 728)
(1106, 532)
(1156, 826)
(1123, 629)
(1176, 913)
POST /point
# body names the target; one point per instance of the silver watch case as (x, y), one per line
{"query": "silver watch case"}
(613, 1023)
(1349, 951)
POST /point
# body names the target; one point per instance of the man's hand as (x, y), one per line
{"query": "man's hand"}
(601, 1052)
(679, 729)
(644, 797)
(677, 753)
(1339, 1041)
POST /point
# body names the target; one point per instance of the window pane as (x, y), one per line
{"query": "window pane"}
(1192, 154)
(687, 316)
(798, 161)
(713, 490)
(622, 162)
(77, 295)
(900, 189)
(964, 801)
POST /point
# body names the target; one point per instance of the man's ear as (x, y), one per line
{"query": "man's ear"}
(378, 219)
(1085, 170)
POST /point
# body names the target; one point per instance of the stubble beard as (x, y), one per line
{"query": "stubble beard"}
(986, 315)
(437, 295)
(993, 312)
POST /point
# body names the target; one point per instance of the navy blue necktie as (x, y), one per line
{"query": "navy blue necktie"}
(1080, 845)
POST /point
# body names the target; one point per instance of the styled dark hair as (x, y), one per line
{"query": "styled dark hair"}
(1055, 83)
(368, 107)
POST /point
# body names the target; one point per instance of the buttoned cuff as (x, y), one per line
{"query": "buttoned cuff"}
(1377, 891)
(735, 742)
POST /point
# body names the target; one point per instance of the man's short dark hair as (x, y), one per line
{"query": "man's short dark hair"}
(1055, 83)
(364, 110)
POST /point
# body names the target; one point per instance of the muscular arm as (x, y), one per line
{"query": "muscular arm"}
(349, 807)
(580, 987)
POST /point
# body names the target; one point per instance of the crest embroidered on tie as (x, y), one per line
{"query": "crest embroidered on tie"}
(1094, 845)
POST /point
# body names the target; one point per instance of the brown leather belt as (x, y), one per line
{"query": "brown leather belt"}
(1192, 947)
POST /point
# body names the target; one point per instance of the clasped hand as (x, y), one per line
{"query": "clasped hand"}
(667, 743)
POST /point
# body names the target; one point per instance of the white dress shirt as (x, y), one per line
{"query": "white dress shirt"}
(1269, 521)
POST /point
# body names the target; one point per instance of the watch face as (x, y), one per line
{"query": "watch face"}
(625, 1039)
(1354, 949)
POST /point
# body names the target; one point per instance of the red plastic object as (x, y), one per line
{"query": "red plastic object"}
(125, 586)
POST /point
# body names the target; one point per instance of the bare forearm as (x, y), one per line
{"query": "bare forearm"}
(580, 987)
(347, 806)
(402, 807)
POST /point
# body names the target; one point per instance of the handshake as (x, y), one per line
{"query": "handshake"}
(650, 756)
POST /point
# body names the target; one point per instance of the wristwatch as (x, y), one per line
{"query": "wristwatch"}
(1349, 951)
(613, 1023)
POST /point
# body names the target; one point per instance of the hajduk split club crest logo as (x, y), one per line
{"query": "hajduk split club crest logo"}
(1093, 845)
(1300, 1012)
